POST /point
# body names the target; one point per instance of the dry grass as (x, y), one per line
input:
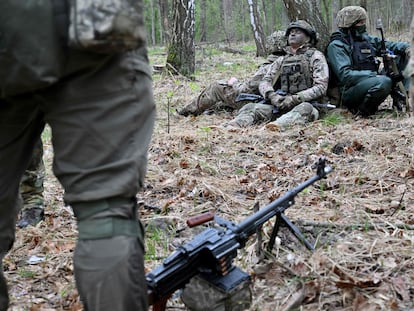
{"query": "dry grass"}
(360, 217)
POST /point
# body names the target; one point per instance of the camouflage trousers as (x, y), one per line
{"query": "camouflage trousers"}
(253, 113)
(217, 96)
(31, 186)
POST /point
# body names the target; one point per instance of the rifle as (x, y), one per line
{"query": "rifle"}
(399, 93)
(260, 99)
(212, 251)
(242, 97)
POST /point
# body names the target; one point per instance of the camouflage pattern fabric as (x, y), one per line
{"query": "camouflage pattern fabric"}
(276, 42)
(219, 96)
(301, 114)
(106, 25)
(31, 186)
(253, 113)
(350, 15)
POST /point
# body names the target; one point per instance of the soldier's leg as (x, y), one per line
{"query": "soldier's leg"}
(301, 114)
(251, 114)
(216, 96)
(31, 189)
(101, 122)
(20, 127)
(366, 96)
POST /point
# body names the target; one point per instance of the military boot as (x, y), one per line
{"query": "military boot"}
(190, 109)
(31, 216)
(212, 97)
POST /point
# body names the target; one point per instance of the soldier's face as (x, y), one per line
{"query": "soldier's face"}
(297, 37)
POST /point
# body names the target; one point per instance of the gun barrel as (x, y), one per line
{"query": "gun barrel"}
(250, 224)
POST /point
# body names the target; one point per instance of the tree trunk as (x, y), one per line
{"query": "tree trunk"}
(255, 23)
(181, 49)
(163, 5)
(203, 30)
(228, 20)
(301, 9)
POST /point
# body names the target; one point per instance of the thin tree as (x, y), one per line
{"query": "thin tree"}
(181, 49)
(255, 23)
(164, 9)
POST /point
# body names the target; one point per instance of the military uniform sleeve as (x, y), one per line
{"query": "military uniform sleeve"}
(339, 59)
(320, 74)
(252, 85)
(397, 47)
(270, 78)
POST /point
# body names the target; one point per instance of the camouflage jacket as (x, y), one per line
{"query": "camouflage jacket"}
(319, 73)
(252, 85)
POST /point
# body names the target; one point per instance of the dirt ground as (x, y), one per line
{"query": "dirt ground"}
(360, 218)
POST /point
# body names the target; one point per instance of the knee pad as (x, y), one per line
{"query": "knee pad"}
(108, 218)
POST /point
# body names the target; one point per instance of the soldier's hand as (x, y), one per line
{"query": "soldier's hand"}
(289, 102)
(275, 99)
(396, 77)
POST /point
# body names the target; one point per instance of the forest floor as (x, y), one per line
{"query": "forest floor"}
(360, 218)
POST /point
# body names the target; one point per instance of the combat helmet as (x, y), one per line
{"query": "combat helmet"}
(350, 15)
(276, 42)
(306, 27)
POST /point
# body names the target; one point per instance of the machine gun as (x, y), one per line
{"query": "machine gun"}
(212, 251)
(399, 92)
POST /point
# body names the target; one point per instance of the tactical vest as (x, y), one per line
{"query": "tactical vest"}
(363, 56)
(362, 53)
(296, 72)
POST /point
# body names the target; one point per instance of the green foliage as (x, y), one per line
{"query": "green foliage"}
(156, 241)
(47, 133)
(240, 171)
(26, 273)
(333, 118)
(206, 130)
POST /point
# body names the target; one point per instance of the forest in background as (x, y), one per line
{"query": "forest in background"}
(183, 25)
(229, 21)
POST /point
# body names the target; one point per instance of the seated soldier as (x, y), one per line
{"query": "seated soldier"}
(352, 54)
(221, 95)
(293, 84)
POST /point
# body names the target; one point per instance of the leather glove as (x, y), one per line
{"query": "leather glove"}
(289, 102)
(275, 99)
(396, 77)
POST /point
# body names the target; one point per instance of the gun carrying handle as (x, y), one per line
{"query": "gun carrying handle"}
(200, 219)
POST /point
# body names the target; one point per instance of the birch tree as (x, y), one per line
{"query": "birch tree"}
(181, 49)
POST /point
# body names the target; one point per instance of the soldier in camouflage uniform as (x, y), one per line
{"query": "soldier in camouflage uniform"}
(31, 189)
(221, 95)
(351, 55)
(292, 83)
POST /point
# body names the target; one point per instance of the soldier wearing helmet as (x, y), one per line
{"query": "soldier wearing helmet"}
(221, 95)
(352, 55)
(293, 82)
(306, 27)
